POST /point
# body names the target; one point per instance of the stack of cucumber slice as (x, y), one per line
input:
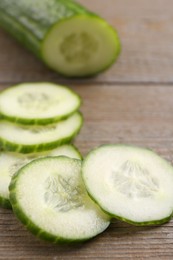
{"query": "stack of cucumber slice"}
(38, 117)
(35, 119)
(55, 194)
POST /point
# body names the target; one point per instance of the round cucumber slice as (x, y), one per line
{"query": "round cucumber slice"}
(38, 103)
(130, 183)
(86, 45)
(26, 139)
(10, 163)
(49, 197)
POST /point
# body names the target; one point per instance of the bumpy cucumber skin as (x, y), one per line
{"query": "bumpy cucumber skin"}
(145, 223)
(6, 145)
(29, 22)
(34, 229)
(38, 121)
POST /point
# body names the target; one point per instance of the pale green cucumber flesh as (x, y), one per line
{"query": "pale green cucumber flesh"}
(38, 103)
(67, 37)
(130, 183)
(29, 139)
(49, 197)
(10, 163)
(86, 46)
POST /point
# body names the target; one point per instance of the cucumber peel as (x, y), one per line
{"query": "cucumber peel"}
(130, 183)
(49, 197)
(11, 162)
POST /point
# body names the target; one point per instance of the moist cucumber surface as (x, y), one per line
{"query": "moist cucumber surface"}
(12, 162)
(49, 197)
(66, 36)
(130, 183)
(27, 139)
(38, 103)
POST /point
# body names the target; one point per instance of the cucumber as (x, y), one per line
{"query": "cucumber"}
(38, 103)
(130, 183)
(12, 162)
(64, 35)
(49, 197)
(37, 138)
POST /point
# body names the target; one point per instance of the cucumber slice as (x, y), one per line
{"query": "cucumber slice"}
(63, 34)
(27, 139)
(12, 162)
(38, 103)
(49, 197)
(130, 183)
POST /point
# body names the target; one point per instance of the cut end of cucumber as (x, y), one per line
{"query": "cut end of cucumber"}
(49, 197)
(81, 45)
(130, 183)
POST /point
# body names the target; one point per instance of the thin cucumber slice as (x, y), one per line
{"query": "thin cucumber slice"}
(49, 197)
(38, 103)
(10, 163)
(86, 46)
(130, 183)
(28, 139)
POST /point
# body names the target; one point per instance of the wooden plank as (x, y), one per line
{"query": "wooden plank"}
(146, 32)
(135, 114)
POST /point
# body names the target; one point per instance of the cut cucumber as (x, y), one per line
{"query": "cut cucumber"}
(67, 37)
(49, 197)
(27, 139)
(130, 183)
(38, 103)
(12, 162)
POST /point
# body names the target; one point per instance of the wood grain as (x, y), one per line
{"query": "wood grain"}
(130, 103)
(135, 114)
(146, 32)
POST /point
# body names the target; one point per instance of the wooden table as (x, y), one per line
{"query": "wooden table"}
(131, 103)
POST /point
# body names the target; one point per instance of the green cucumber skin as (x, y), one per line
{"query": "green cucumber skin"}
(29, 22)
(5, 203)
(34, 229)
(38, 121)
(13, 147)
(43, 122)
(146, 223)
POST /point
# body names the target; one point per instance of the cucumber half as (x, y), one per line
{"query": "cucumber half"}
(12, 162)
(27, 139)
(86, 45)
(130, 183)
(38, 103)
(63, 34)
(49, 197)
